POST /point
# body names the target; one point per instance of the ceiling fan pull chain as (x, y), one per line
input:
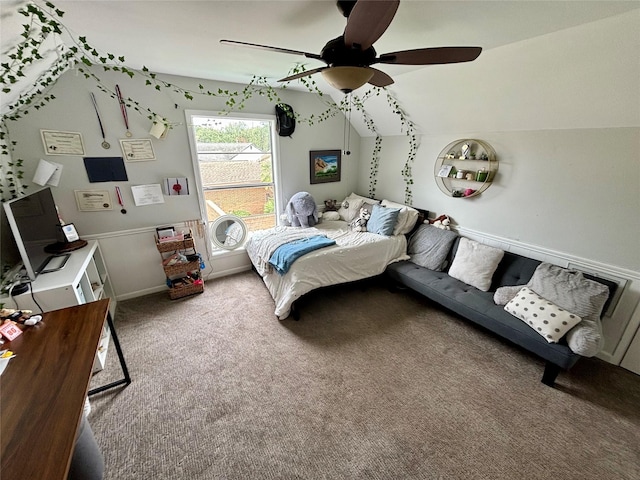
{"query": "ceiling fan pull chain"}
(348, 152)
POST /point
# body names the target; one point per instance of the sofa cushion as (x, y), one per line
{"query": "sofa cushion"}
(475, 263)
(429, 246)
(543, 316)
(570, 290)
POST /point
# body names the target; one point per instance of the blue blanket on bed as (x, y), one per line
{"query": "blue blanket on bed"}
(286, 254)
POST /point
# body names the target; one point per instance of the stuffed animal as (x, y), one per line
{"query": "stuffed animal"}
(330, 205)
(443, 222)
(359, 224)
(302, 210)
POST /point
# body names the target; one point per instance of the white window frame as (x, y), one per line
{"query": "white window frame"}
(275, 155)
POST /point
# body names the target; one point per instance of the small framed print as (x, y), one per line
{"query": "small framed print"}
(137, 150)
(445, 170)
(93, 200)
(62, 143)
(70, 234)
(324, 166)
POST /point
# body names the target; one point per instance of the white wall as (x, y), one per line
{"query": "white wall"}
(127, 240)
(563, 114)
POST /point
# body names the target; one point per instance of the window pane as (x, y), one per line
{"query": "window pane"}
(250, 169)
(255, 205)
(235, 162)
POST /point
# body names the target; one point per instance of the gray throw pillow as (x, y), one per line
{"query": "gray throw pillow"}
(504, 294)
(570, 290)
(429, 246)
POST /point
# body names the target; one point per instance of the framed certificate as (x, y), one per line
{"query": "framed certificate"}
(62, 143)
(137, 150)
(93, 200)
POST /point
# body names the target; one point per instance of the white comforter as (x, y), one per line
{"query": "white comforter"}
(355, 256)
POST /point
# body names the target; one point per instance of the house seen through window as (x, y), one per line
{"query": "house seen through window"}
(235, 160)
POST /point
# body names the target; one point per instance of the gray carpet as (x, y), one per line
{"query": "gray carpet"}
(367, 385)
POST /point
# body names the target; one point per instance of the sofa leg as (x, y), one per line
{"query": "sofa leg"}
(394, 287)
(551, 371)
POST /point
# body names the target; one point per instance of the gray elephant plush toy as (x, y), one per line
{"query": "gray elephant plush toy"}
(302, 210)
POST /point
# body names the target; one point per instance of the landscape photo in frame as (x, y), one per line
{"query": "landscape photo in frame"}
(324, 166)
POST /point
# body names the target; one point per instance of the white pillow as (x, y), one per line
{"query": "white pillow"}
(475, 263)
(406, 219)
(365, 199)
(352, 210)
(330, 215)
(545, 317)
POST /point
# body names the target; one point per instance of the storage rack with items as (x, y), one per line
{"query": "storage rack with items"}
(181, 264)
(466, 168)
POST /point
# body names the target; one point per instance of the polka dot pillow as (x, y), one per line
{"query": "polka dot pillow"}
(545, 317)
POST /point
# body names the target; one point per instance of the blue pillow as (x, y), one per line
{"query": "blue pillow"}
(383, 220)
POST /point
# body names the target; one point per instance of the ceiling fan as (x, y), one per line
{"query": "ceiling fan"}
(349, 57)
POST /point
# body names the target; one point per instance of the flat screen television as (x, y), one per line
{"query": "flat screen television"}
(36, 229)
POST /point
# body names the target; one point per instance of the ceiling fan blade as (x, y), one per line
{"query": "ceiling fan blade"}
(380, 79)
(271, 49)
(306, 73)
(431, 56)
(368, 21)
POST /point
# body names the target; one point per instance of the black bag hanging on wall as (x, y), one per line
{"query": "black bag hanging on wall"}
(285, 120)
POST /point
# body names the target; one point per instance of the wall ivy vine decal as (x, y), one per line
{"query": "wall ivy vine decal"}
(44, 21)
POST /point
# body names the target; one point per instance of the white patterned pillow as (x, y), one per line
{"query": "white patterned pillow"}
(475, 263)
(570, 290)
(545, 317)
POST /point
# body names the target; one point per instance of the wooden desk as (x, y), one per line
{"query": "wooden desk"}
(43, 389)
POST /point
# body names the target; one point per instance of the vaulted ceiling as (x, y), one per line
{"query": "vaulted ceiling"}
(181, 37)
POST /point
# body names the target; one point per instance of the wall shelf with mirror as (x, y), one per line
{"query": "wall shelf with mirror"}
(465, 168)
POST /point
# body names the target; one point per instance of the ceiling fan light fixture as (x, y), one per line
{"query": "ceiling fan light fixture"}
(347, 79)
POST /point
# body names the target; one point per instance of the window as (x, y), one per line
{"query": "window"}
(235, 161)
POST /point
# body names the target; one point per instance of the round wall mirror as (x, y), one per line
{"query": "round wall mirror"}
(228, 232)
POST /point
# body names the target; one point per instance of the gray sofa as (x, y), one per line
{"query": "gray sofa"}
(479, 306)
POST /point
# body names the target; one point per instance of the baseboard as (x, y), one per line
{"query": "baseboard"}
(163, 288)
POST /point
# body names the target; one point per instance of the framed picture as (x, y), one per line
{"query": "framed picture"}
(70, 233)
(62, 143)
(445, 170)
(137, 150)
(324, 166)
(93, 200)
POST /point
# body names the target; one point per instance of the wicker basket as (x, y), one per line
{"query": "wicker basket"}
(180, 268)
(174, 246)
(185, 290)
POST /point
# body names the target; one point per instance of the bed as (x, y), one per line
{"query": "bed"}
(355, 256)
